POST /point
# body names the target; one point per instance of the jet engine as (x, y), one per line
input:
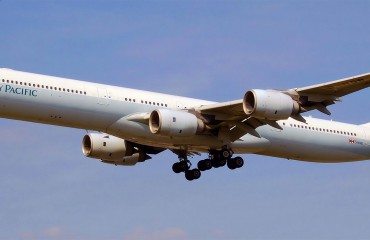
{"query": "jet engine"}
(111, 149)
(175, 123)
(269, 104)
(105, 147)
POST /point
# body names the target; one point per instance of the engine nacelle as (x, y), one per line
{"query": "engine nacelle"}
(269, 104)
(174, 123)
(106, 147)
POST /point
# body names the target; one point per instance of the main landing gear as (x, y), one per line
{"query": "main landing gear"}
(216, 159)
(184, 166)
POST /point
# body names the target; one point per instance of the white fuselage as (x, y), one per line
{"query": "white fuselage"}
(92, 106)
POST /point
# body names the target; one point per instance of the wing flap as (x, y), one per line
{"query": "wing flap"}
(226, 110)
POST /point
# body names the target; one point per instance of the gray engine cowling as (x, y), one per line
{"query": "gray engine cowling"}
(174, 123)
(269, 104)
(106, 147)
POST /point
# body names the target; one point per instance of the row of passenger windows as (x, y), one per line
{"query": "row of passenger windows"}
(44, 86)
(147, 102)
(322, 129)
(74, 91)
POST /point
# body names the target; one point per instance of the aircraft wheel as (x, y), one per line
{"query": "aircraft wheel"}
(184, 166)
(225, 154)
(208, 164)
(239, 162)
(204, 165)
(176, 167)
(221, 162)
(231, 163)
(215, 163)
(218, 162)
(192, 174)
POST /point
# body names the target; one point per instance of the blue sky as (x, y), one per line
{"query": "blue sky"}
(215, 50)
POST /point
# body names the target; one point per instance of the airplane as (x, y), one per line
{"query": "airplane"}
(125, 126)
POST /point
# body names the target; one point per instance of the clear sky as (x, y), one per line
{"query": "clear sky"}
(215, 50)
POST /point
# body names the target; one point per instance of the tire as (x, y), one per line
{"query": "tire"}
(183, 166)
(239, 162)
(201, 165)
(196, 173)
(231, 163)
(215, 163)
(221, 162)
(225, 154)
(204, 165)
(207, 164)
(189, 175)
(176, 168)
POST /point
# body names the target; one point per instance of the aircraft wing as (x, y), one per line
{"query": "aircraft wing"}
(338, 88)
(230, 116)
(224, 111)
(315, 97)
(324, 94)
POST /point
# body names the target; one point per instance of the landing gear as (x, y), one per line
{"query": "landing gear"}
(219, 158)
(184, 165)
(216, 159)
(234, 163)
(181, 166)
(192, 174)
(204, 165)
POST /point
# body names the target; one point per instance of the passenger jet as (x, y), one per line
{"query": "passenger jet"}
(126, 126)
